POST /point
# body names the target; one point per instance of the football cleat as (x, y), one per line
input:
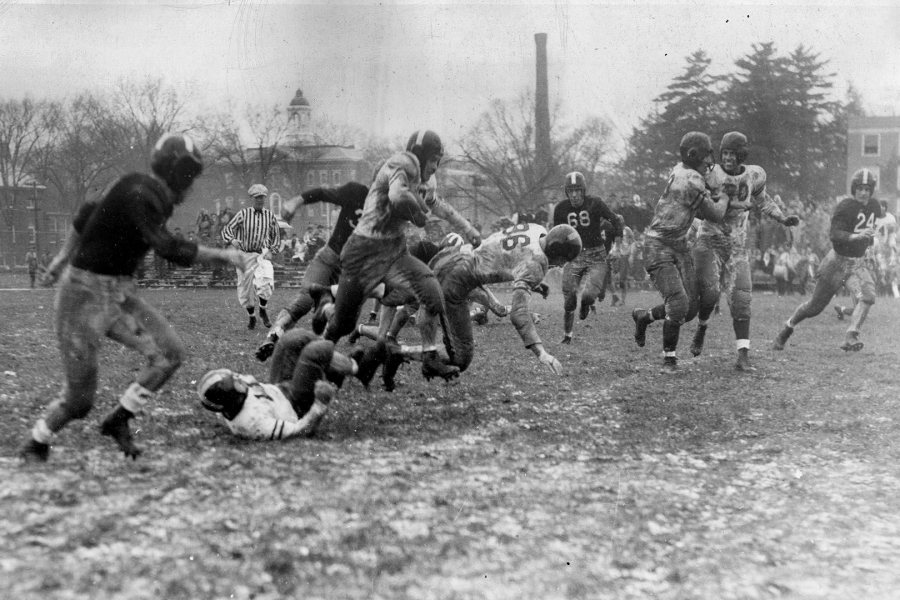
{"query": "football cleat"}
(116, 426)
(851, 342)
(265, 350)
(641, 321)
(433, 366)
(391, 366)
(320, 318)
(251, 324)
(840, 312)
(567, 339)
(697, 343)
(670, 364)
(743, 361)
(34, 452)
(265, 317)
(782, 338)
(480, 317)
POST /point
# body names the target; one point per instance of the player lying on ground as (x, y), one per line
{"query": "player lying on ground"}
(304, 376)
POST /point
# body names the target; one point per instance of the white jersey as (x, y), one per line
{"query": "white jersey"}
(268, 414)
(516, 249)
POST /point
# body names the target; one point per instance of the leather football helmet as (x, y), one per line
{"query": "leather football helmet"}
(736, 142)
(574, 183)
(562, 244)
(176, 160)
(425, 144)
(863, 177)
(222, 391)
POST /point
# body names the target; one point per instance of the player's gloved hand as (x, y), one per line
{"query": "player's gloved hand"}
(543, 289)
(791, 221)
(550, 362)
(474, 238)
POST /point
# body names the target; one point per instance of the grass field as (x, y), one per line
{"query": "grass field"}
(614, 481)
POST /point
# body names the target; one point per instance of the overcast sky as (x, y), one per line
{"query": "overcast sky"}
(393, 67)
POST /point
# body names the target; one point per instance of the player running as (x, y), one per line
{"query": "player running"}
(98, 296)
(667, 258)
(720, 253)
(325, 267)
(597, 226)
(852, 232)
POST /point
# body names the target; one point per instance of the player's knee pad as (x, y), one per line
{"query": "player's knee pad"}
(678, 307)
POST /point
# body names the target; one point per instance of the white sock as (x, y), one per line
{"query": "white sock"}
(41, 433)
(135, 398)
(743, 344)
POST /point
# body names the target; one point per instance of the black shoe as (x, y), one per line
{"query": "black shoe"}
(567, 339)
(851, 342)
(584, 311)
(367, 361)
(116, 426)
(373, 318)
(670, 364)
(697, 344)
(480, 318)
(743, 361)
(266, 349)
(265, 317)
(391, 366)
(641, 321)
(251, 324)
(433, 366)
(34, 452)
(840, 312)
(782, 338)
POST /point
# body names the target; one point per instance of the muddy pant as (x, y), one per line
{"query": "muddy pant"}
(671, 270)
(366, 262)
(299, 361)
(90, 307)
(719, 268)
(324, 269)
(835, 271)
(591, 265)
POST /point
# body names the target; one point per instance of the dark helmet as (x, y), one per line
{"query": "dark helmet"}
(176, 160)
(863, 177)
(218, 393)
(694, 148)
(575, 181)
(425, 144)
(562, 242)
(737, 142)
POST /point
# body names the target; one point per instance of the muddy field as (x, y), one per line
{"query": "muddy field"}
(614, 481)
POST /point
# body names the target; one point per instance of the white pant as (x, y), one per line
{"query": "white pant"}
(255, 281)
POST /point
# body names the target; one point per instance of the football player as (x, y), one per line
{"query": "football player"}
(597, 226)
(667, 258)
(98, 295)
(403, 191)
(521, 254)
(852, 232)
(304, 376)
(325, 267)
(720, 252)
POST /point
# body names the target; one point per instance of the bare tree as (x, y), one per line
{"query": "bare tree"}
(500, 152)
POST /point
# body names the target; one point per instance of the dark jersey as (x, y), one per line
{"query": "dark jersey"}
(851, 217)
(351, 197)
(589, 221)
(117, 230)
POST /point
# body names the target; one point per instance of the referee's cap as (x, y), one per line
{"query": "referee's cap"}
(257, 189)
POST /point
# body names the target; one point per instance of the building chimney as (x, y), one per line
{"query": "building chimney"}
(541, 108)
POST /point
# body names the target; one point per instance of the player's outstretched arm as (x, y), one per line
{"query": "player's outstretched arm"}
(51, 275)
(221, 256)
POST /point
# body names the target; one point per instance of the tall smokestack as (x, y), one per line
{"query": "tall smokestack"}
(541, 108)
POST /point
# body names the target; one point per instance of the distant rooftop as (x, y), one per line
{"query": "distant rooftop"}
(874, 123)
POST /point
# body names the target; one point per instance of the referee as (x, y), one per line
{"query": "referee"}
(254, 231)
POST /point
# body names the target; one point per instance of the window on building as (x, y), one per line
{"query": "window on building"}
(871, 144)
(311, 179)
(336, 178)
(323, 178)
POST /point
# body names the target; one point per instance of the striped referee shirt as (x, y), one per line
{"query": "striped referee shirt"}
(255, 229)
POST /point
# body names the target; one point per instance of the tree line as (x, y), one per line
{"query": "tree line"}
(783, 103)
